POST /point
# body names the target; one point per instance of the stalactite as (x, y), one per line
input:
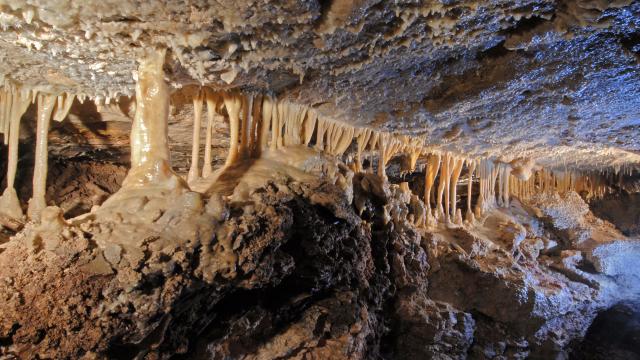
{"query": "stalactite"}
(64, 102)
(233, 103)
(9, 202)
(267, 118)
(251, 119)
(471, 165)
(486, 197)
(37, 202)
(255, 139)
(447, 187)
(245, 128)
(288, 137)
(6, 98)
(362, 138)
(279, 122)
(442, 184)
(504, 171)
(294, 117)
(388, 146)
(194, 170)
(457, 169)
(482, 179)
(309, 126)
(430, 173)
(328, 143)
(492, 185)
(212, 106)
(414, 154)
(344, 140)
(274, 125)
(150, 156)
(382, 147)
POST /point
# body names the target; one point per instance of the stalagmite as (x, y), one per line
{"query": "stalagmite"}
(457, 169)
(37, 202)
(457, 219)
(233, 103)
(9, 202)
(212, 104)
(150, 157)
(195, 149)
(471, 165)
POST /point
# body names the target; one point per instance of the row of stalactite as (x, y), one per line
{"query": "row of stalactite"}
(14, 101)
(260, 122)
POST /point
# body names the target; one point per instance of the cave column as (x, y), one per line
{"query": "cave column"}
(38, 202)
(9, 202)
(457, 169)
(211, 115)
(245, 136)
(195, 149)
(430, 173)
(150, 156)
(265, 125)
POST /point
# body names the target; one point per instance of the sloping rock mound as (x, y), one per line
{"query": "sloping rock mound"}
(275, 276)
(291, 270)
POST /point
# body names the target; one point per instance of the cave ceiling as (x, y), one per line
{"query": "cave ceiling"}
(558, 81)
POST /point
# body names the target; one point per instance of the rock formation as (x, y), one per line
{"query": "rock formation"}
(372, 180)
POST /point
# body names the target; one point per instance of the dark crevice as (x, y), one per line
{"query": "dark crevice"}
(493, 52)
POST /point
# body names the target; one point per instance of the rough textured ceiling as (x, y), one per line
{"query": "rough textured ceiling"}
(555, 80)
